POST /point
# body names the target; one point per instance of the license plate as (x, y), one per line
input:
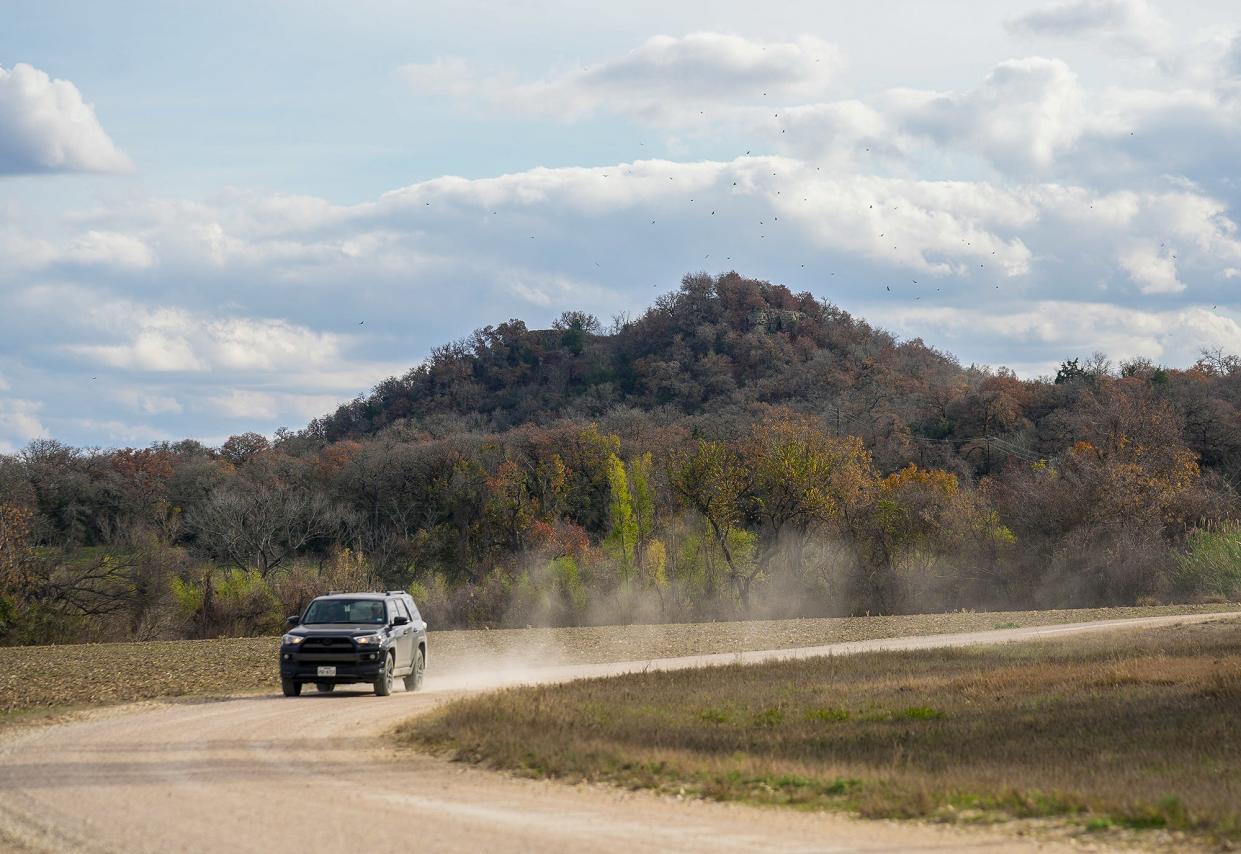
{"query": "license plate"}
(327, 671)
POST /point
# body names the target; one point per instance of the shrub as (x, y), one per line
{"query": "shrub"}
(1211, 564)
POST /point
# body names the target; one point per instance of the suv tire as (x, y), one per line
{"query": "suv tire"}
(413, 680)
(291, 687)
(324, 687)
(383, 685)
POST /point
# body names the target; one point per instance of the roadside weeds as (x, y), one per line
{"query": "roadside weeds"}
(1119, 738)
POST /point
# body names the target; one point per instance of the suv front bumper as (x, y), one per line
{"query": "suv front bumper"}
(350, 667)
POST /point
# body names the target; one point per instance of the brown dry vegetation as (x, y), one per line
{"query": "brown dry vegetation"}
(1134, 729)
(90, 675)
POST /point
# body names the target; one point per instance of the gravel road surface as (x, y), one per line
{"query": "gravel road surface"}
(274, 774)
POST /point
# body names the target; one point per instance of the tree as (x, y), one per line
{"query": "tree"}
(804, 480)
(621, 542)
(911, 515)
(640, 468)
(510, 508)
(574, 327)
(579, 320)
(240, 449)
(16, 578)
(1069, 371)
(712, 482)
(262, 526)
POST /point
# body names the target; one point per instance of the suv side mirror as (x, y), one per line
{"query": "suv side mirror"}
(400, 620)
(294, 620)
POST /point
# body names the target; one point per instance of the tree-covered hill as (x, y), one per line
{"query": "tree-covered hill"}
(717, 345)
(737, 450)
(716, 351)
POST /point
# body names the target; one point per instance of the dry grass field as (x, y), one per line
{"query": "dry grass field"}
(35, 681)
(1133, 729)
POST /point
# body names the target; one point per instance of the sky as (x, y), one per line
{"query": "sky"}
(233, 216)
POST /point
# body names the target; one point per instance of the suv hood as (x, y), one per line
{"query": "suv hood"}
(335, 629)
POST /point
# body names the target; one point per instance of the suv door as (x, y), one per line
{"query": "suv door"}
(420, 625)
(403, 636)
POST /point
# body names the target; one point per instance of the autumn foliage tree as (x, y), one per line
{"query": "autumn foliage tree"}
(736, 450)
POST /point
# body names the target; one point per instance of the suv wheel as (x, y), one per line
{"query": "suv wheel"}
(324, 687)
(413, 681)
(383, 685)
(291, 687)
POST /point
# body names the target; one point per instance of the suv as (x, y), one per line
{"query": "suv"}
(347, 638)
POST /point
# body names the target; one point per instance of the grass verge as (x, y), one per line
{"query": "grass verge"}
(1133, 730)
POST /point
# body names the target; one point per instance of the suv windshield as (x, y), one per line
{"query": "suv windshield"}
(368, 611)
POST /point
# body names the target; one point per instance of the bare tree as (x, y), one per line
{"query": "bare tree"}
(262, 526)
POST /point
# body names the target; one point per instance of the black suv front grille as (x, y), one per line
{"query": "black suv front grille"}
(330, 646)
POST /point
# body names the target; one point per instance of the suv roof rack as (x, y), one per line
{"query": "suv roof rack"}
(396, 592)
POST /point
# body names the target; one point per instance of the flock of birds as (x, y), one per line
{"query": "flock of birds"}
(775, 219)
(762, 235)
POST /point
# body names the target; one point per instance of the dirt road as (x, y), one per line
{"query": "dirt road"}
(274, 774)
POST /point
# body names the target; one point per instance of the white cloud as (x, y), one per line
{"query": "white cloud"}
(1025, 112)
(19, 422)
(837, 134)
(149, 404)
(1063, 329)
(116, 430)
(22, 252)
(1028, 118)
(1132, 24)
(175, 340)
(255, 405)
(148, 350)
(1152, 268)
(1232, 57)
(445, 76)
(666, 79)
(110, 248)
(545, 235)
(45, 126)
(308, 406)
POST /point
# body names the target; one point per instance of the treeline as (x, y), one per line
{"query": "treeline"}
(737, 450)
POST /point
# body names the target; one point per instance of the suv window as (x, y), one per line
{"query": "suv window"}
(401, 609)
(413, 609)
(366, 611)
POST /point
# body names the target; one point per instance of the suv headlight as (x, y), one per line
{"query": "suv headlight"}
(292, 640)
(368, 640)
